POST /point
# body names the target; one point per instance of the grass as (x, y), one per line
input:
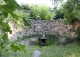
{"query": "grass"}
(52, 50)
(61, 51)
(70, 50)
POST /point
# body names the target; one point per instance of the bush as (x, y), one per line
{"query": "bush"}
(59, 15)
(71, 10)
(50, 39)
(41, 12)
(78, 30)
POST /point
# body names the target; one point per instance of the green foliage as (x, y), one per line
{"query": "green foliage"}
(24, 17)
(78, 31)
(50, 39)
(71, 10)
(7, 27)
(41, 12)
(56, 3)
(65, 21)
(26, 7)
(17, 47)
(5, 37)
(8, 8)
(70, 50)
(35, 12)
(58, 15)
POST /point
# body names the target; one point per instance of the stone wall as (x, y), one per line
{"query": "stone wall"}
(50, 27)
(16, 32)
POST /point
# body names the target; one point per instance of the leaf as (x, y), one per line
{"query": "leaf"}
(15, 47)
(1, 20)
(14, 15)
(13, 3)
(6, 27)
(22, 48)
(1, 44)
(5, 37)
(27, 22)
(5, 14)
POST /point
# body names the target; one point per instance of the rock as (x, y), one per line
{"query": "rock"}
(67, 40)
(37, 53)
(48, 26)
(62, 40)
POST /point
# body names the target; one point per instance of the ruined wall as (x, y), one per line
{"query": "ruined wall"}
(49, 27)
(16, 32)
(53, 27)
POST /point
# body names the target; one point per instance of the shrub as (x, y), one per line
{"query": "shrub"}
(50, 39)
(78, 30)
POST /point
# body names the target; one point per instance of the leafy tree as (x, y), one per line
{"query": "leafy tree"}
(7, 8)
(45, 14)
(38, 12)
(59, 15)
(57, 8)
(26, 7)
(24, 17)
(71, 10)
(55, 3)
(41, 12)
(24, 14)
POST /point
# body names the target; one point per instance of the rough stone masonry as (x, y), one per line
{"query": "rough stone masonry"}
(50, 27)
